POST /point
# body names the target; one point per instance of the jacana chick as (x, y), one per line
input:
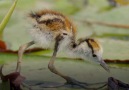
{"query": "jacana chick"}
(53, 30)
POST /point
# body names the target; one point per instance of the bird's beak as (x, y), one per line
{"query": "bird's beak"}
(104, 65)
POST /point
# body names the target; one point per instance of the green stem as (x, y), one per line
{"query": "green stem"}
(6, 19)
(1, 36)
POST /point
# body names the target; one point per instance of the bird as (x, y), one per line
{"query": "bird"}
(53, 30)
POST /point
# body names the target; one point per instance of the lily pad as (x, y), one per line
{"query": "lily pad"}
(34, 68)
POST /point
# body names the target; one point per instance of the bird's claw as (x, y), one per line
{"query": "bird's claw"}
(73, 82)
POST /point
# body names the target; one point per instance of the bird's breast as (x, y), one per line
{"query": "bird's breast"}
(45, 39)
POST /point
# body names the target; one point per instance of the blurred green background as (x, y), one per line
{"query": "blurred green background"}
(115, 41)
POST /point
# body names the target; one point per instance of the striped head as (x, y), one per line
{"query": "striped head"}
(52, 21)
(92, 50)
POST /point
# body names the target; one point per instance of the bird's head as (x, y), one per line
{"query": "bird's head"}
(92, 50)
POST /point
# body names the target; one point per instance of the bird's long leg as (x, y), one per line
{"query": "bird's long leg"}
(51, 62)
(68, 79)
(20, 54)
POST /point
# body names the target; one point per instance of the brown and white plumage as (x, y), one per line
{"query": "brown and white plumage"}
(54, 30)
(48, 25)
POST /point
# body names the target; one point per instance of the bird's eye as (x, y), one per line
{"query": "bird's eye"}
(34, 25)
(94, 55)
(64, 33)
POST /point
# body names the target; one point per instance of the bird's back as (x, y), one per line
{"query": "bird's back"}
(48, 25)
(52, 21)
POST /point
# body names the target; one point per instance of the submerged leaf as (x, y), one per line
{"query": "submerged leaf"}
(114, 84)
(15, 79)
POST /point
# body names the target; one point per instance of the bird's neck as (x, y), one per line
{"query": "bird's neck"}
(72, 48)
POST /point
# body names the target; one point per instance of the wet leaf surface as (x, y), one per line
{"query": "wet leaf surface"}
(37, 78)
